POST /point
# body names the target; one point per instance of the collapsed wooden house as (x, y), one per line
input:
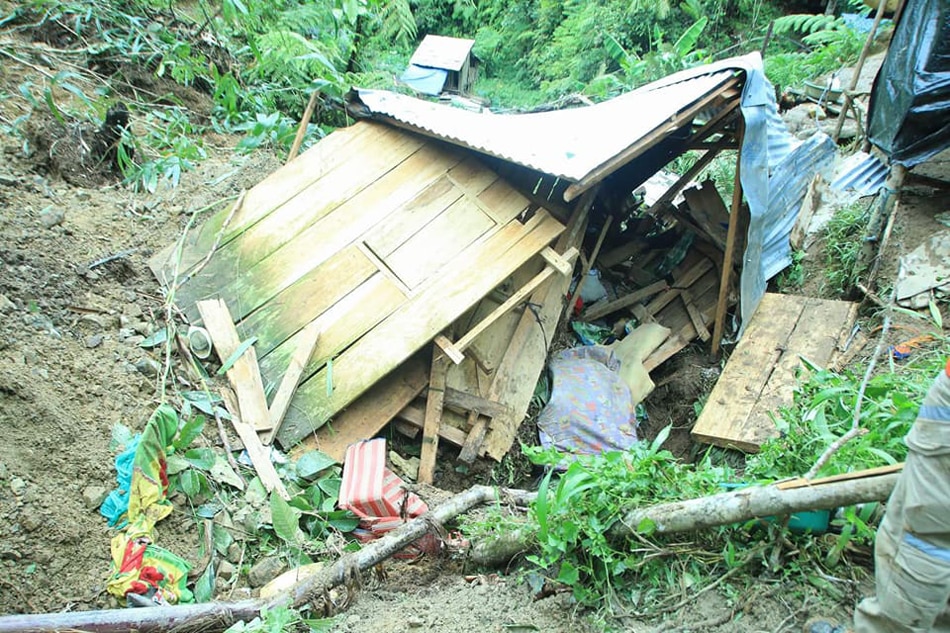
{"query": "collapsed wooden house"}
(433, 249)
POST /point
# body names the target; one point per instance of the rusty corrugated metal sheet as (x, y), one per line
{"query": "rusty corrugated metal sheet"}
(447, 53)
(569, 144)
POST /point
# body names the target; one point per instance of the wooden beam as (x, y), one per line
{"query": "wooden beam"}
(415, 416)
(288, 384)
(430, 430)
(686, 280)
(245, 374)
(589, 263)
(648, 140)
(260, 456)
(695, 316)
(597, 311)
(514, 300)
(457, 399)
(557, 261)
(730, 248)
(370, 412)
(475, 437)
(450, 349)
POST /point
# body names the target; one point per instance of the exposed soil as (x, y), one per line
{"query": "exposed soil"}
(71, 368)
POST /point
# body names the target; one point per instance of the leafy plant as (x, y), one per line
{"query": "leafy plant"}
(281, 620)
(843, 238)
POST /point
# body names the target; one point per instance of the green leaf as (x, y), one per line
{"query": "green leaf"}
(204, 588)
(189, 483)
(647, 526)
(331, 486)
(343, 520)
(935, 313)
(233, 358)
(189, 432)
(175, 463)
(222, 472)
(312, 463)
(202, 458)
(222, 540)
(202, 400)
(322, 625)
(660, 438)
(568, 574)
(285, 519)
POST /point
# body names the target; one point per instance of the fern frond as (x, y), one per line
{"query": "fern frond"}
(398, 22)
(805, 23)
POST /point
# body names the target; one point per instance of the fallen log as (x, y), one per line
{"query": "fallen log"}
(722, 509)
(218, 616)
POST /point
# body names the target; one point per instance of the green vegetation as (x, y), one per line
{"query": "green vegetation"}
(844, 240)
(569, 523)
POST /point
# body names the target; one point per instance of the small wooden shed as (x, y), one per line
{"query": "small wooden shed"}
(442, 64)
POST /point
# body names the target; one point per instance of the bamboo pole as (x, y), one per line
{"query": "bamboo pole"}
(849, 94)
(304, 122)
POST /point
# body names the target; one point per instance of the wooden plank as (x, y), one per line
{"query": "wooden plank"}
(425, 253)
(448, 348)
(329, 230)
(599, 310)
(433, 420)
(707, 210)
(517, 374)
(458, 399)
(684, 332)
(288, 384)
(702, 329)
(475, 438)
(310, 297)
(729, 254)
(560, 264)
(279, 186)
(259, 455)
(502, 202)
(244, 375)
(393, 231)
(345, 322)
(688, 279)
(415, 416)
(370, 413)
(515, 299)
(801, 482)
(436, 304)
(587, 264)
(761, 373)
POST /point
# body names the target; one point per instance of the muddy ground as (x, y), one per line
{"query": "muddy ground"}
(76, 298)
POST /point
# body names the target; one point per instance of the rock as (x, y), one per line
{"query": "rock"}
(30, 519)
(148, 367)
(132, 310)
(353, 620)
(265, 570)
(82, 196)
(94, 341)
(7, 180)
(415, 622)
(226, 571)
(142, 328)
(50, 217)
(17, 486)
(234, 553)
(6, 305)
(94, 320)
(134, 340)
(125, 333)
(93, 496)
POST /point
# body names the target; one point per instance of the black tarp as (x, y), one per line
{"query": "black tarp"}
(909, 117)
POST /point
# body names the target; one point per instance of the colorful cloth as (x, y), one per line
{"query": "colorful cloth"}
(138, 565)
(591, 410)
(378, 496)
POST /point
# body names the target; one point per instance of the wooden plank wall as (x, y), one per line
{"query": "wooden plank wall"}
(760, 375)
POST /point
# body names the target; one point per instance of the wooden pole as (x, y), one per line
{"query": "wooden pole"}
(433, 417)
(849, 94)
(585, 269)
(304, 122)
(730, 245)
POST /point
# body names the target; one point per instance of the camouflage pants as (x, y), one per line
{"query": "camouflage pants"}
(912, 548)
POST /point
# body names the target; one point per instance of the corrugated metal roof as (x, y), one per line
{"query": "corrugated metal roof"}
(862, 172)
(437, 51)
(569, 144)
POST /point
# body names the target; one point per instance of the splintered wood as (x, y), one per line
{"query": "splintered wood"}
(760, 375)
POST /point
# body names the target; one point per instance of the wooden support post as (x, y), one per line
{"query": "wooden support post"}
(849, 93)
(304, 122)
(599, 310)
(702, 330)
(430, 431)
(475, 437)
(730, 246)
(588, 264)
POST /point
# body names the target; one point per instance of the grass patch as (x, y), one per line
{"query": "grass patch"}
(844, 239)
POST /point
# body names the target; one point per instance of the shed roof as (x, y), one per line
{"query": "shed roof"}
(438, 51)
(580, 145)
